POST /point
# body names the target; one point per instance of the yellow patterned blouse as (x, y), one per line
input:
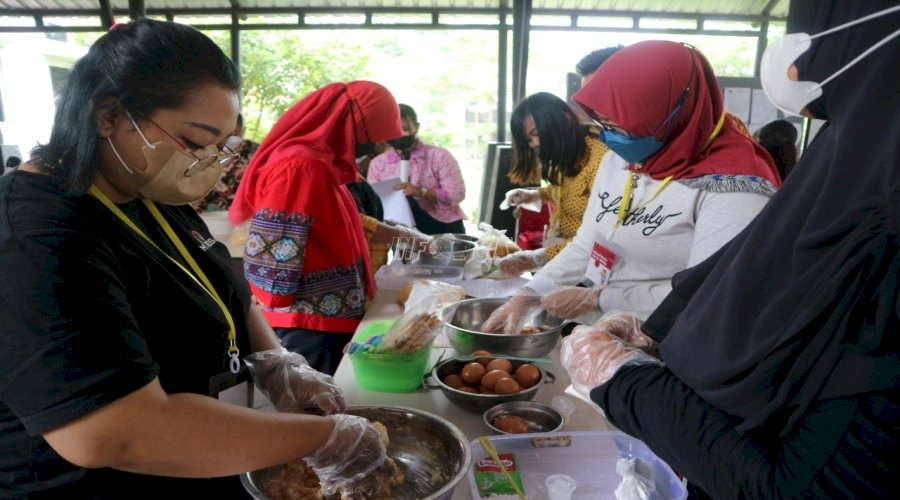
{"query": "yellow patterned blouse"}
(571, 198)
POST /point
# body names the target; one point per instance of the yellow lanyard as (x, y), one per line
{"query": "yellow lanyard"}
(628, 195)
(233, 351)
(715, 131)
(631, 181)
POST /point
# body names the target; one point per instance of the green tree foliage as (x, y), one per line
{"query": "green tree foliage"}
(279, 69)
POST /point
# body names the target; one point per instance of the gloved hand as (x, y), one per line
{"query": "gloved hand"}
(572, 301)
(354, 457)
(628, 328)
(518, 197)
(404, 231)
(292, 385)
(592, 356)
(522, 261)
(509, 318)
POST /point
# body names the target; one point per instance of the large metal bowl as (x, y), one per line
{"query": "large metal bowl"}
(480, 402)
(442, 251)
(433, 454)
(463, 320)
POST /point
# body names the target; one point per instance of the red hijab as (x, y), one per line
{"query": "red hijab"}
(640, 85)
(325, 126)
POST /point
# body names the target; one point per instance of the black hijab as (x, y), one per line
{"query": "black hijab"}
(803, 304)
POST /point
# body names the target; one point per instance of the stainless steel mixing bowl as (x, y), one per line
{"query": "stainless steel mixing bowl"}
(432, 453)
(479, 402)
(462, 324)
(440, 252)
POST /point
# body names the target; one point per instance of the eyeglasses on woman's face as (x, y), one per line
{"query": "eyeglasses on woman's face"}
(203, 157)
(605, 124)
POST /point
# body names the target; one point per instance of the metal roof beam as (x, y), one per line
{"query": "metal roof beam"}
(106, 14)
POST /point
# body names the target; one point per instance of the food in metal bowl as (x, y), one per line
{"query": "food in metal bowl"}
(472, 398)
(432, 453)
(298, 481)
(519, 417)
(463, 320)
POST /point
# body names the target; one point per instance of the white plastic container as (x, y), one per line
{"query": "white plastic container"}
(590, 461)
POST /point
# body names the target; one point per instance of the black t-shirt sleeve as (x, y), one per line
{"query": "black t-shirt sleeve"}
(701, 442)
(70, 344)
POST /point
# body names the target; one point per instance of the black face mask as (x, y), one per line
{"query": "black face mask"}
(404, 142)
(365, 149)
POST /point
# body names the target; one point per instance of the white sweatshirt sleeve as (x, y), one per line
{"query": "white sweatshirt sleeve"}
(568, 267)
(718, 217)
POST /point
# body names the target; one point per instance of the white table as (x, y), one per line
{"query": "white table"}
(384, 306)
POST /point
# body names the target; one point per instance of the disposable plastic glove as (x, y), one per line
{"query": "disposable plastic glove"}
(520, 262)
(572, 301)
(408, 237)
(292, 385)
(592, 357)
(628, 328)
(516, 197)
(509, 318)
(353, 459)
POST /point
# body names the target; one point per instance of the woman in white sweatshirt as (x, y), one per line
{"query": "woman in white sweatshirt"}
(690, 181)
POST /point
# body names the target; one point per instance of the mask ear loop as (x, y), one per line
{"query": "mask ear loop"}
(681, 98)
(122, 161)
(868, 51)
(858, 58)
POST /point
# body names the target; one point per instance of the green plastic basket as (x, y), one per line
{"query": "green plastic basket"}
(388, 372)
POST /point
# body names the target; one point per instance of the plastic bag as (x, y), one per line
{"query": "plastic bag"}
(496, 241)
(420, 323)
(479, 264)
(442, 294)
(637, 479)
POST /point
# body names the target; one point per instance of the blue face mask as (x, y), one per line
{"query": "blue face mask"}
(635, 149)
(631, 149)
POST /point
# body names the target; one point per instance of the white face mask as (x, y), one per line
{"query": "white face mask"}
(792, 96)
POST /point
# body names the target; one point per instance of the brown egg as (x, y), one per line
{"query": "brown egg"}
(512, 424)
(466, 388)
(472, 373)
(484, 390)
(527, 375)
(490, 378)
(500, 364)
(483, 357)
(507, 386)
(454, 381)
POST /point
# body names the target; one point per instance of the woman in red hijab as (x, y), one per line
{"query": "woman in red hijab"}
(680, 181)
(306, 255)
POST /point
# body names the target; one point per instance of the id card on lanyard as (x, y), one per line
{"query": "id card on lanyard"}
(605, 256)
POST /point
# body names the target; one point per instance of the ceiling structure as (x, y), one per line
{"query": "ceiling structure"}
(748, 18)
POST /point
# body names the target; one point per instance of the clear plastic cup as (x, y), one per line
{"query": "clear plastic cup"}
(560, 487)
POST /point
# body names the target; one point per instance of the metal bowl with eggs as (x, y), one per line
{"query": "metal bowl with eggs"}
(520, 417)
(432, 453)
(463, 320)
(465, 395)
